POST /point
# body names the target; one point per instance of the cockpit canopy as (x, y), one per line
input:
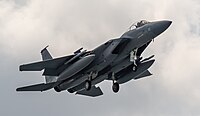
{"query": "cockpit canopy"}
(138, 24)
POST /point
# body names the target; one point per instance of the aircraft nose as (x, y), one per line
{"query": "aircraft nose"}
(160, 26)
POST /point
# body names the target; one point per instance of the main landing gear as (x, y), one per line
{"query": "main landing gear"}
(133, 58)
(115, 86)
(88, 83)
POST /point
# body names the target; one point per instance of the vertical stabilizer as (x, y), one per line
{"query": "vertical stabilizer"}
(47, 56)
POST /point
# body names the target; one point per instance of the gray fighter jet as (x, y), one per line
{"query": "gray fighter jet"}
(118, 60)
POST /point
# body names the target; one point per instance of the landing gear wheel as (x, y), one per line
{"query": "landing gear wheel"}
(115, 87)
(134, 68)
(70, 91)
(88, 85)
(57, 89)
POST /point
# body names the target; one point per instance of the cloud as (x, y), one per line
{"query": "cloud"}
(28, 26)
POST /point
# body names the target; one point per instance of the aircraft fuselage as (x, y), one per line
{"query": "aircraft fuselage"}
(106, 60)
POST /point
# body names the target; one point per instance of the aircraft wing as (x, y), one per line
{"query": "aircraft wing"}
(145, 74)
(38, 87)
(93, 92)
(50, 64)
(142, 68)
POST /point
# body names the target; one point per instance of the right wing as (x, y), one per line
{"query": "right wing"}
(142, 68)
(50, 64)
(144, 74)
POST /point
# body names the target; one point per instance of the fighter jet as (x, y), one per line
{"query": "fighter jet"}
(118, 60)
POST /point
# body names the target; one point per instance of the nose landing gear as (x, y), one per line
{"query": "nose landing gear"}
(134, 68)
(133, 58)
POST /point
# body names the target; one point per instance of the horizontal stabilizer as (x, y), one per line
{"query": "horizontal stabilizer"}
(51, 64)
(37, 87)
(93, 92)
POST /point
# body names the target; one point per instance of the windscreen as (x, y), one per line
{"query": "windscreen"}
(138, 24)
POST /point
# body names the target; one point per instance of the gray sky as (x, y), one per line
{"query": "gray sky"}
(26, 26)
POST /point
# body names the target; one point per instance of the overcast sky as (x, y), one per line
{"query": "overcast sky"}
(26, 26)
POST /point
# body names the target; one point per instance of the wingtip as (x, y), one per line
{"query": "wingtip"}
(20, 68)
(17, 89)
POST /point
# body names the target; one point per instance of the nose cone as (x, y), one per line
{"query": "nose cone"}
(160, 26)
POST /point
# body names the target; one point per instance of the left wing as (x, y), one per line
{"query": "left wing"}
(145, 74)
